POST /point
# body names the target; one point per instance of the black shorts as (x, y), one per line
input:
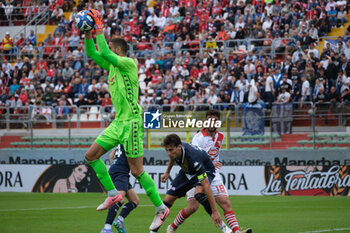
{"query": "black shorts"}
(121, 181)
(181, 184)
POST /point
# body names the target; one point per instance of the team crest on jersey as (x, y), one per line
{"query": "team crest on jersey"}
(112, 80)
(213, 152)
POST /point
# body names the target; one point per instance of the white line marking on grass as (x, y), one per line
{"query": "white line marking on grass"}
(57, 208)
(292, 207)
(327, 230)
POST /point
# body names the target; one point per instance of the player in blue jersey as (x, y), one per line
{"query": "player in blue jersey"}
(197, 170)
(119, 172)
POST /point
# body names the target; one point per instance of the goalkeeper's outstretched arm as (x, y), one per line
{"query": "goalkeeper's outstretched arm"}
(105, 52)
(92, 52)
(119, 60)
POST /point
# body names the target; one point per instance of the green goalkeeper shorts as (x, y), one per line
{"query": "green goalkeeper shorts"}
(129, 133)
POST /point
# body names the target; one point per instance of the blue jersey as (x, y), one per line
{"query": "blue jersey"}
(120, 162)
(195, 162)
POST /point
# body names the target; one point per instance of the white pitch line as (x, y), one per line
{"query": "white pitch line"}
(57, 208)
(327, 230)
(87, 207)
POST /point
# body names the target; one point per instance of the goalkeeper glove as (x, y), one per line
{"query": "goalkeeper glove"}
(98, 20)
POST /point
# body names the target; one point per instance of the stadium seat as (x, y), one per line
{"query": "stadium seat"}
(150, 91)
(142, 86)
(242, 48)
(142, 77)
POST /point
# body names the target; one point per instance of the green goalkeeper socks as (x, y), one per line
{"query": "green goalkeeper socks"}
(150, 188)
(102, 174)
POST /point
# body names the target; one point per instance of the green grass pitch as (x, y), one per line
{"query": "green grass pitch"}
(75, 213)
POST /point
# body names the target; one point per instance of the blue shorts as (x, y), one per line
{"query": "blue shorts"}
(181, 184)
(121, 181)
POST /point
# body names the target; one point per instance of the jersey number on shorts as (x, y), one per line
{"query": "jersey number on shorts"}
(220, 188)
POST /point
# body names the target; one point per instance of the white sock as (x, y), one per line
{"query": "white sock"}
(108, 227)
(160, 208)
(121, 218)
(112, 193)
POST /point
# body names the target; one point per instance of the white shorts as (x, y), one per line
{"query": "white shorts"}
(217, 187)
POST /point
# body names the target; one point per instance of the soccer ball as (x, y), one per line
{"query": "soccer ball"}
(84, 22)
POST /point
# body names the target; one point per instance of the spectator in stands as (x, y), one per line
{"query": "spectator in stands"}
(80, 101)
(269, 89)
(68, 5)
(345, 99)
(32, 38)
(107, 103)
(48, 96)
(14, 86)
(6, 45)
(149, 60)
(57, 14)
(20, 42)
(67, 88)
(42, 64)
(283, 97)
(324, 25)
(6, 67)
(342, 16)
(305, 90)
(59, 87)
(296, 89)
(27, 50)
(204, 78)
(18, 64)
(73, 15)
(91, 96)
(41, 75)
(61, 114)
(73, 41)
(23, 96)
(332, 16)
(267, 21)
(249, 69)
(15, 104)
(67, 71)
(83, 87)
(253, 94)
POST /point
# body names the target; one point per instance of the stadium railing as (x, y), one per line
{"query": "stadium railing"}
(21, 15)
(331, 40)
(266, 130)
(227, 48)
(41, 18)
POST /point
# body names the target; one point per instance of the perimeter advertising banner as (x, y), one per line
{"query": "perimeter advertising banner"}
(159, 157)
(249, 180)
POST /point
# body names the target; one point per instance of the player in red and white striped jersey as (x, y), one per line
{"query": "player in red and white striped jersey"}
(210, 140)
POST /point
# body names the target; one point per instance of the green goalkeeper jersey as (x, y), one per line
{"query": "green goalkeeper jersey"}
(122, 79)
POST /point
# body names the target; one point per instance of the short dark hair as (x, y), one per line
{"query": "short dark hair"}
(121, 43)
(171, 140)
(212, 112)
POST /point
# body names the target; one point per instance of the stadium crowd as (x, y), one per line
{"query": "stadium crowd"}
(188, 52)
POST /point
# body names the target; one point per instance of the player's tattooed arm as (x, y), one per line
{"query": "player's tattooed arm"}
(166, 175)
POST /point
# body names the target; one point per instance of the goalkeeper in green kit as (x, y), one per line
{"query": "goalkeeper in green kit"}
(127, 127)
